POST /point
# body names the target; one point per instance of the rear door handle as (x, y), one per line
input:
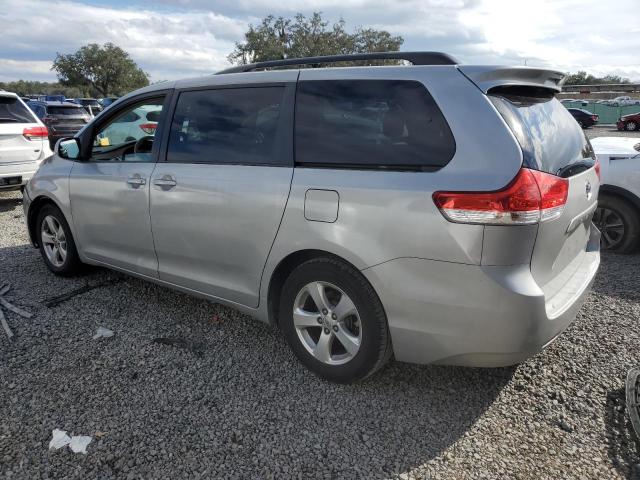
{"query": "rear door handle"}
(136, 180)
(165, 181)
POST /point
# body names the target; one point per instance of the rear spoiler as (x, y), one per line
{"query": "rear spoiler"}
(488, 77)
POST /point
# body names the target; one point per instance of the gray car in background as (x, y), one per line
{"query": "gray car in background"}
(437, 212)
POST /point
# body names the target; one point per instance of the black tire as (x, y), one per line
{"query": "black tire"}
(375, 347)
(630, 217)
(581, 123)
(631, 126)
(72, 264)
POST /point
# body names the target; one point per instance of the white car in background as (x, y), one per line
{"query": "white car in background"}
(618, 212)
(132, 126)
(24, 142)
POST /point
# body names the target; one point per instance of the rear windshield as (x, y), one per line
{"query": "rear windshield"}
(66, 111)
(13, 111)
(551, 139)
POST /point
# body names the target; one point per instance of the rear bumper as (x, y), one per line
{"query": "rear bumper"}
(481, 316)
(24, 170)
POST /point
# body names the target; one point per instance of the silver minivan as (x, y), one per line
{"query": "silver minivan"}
(436, 212)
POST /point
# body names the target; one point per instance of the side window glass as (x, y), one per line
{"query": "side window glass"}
(130, 135)
(375, 123)
(228, 126)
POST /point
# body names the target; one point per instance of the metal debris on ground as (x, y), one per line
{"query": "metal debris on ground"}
(633, 398)
(58, 299)
(103, 333)
(5, 325)
(10, 307)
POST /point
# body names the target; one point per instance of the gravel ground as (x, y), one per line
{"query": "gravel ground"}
(229, 400)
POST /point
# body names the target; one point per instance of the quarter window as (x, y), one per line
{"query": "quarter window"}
(370, 124)
(229, 126)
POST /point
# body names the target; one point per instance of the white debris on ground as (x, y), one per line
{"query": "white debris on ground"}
(59, 439)
(103, 333)
(77, 443)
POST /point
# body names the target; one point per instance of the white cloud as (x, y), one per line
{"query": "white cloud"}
(179, 38)
(166, 44)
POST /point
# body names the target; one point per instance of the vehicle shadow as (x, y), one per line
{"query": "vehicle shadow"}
(237, 392)
(623, 445)
(10, 201)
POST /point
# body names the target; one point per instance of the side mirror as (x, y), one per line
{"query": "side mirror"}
(68, 148)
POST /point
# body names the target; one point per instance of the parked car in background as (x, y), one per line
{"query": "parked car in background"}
(130, 126)
(408, 210)
(54, 98)
(62, 119)
(623, 101)
(629, 122)
(585, 118)
(618, 213)
(23, 142)
(89, 102)
(105, 102)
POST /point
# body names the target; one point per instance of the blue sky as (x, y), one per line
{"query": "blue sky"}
(179, 38)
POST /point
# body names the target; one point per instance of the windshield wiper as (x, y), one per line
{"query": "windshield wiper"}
(574, 168)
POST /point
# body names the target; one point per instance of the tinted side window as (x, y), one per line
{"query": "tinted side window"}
(229, 125)
(370, 123)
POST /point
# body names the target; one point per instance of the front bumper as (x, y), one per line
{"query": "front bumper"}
(473, 315)
(620, 125)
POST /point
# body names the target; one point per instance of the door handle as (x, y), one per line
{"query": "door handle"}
(165, 181)
(136, 181)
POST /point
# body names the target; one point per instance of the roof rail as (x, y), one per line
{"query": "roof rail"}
(416, 58)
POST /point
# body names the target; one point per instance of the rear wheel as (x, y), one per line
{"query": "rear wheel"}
(631, 126)
(334, 321)
(57, 246)
(619, 225)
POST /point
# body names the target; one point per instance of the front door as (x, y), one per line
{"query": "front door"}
(217, 200)
(110, 192)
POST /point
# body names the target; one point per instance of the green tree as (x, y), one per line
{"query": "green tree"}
(29, 87)
(279, 38)
(107, 69)
(584, 78)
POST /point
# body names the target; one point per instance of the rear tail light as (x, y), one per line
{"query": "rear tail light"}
(32, 133)
(597, 169)
(149, 128)
(530, 198)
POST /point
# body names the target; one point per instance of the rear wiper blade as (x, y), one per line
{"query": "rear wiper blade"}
(574, 168)
(8, 119)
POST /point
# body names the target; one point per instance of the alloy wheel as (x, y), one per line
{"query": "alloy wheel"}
(611, 227)
(630, 126)
(54, 241)
(327, 323)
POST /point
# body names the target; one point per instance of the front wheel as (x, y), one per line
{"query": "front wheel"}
(333, 321)
(631, 126)
(56, 243)
(619, 225)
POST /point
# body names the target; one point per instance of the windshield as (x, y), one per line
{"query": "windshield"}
(551, 139)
